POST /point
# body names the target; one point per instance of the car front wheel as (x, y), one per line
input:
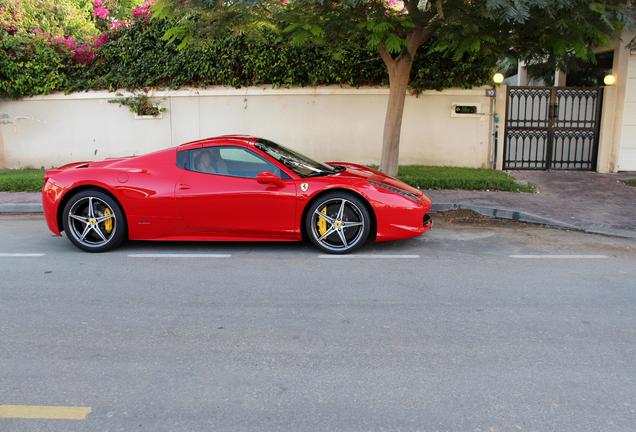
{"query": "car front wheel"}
(338, 223)
(93, 221)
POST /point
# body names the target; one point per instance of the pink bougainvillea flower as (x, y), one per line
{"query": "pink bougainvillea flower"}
(116, 25)
(143, 10)
(101, 40)
(140, 12)
(65, 41)
(100, 12)
(83, 54)
(394, 7)
(97, 3)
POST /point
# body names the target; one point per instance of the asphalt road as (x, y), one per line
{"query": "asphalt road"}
(469, 328)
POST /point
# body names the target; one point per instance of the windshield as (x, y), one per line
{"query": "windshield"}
(301, 165)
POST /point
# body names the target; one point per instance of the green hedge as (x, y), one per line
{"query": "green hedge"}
(440, 177)
(22, 180)
(30, 66)
(137, 57)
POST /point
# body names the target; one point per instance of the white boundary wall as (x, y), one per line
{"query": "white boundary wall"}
(326, 123)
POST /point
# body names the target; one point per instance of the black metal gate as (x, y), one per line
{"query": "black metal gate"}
(552, 128)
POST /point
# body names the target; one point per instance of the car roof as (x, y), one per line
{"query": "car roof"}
(222, 139)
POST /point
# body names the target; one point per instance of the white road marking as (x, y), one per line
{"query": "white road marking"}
(559, 256)
(177, 255)
(369, 256)
(21, 254)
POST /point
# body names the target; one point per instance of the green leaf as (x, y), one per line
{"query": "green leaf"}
(394, 44)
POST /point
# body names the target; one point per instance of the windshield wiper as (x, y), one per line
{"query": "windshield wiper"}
(336, 169)
(288, 162)
(292, 163)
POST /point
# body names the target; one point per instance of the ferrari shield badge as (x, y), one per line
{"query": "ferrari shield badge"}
(304, 187)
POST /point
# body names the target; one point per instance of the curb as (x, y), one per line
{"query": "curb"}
(520, 216)
(501, 213)
(21, 208)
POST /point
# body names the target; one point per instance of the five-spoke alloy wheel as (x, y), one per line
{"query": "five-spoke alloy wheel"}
(338, 222)
(93, 221)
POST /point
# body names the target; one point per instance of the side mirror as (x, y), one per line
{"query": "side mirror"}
(269, 178)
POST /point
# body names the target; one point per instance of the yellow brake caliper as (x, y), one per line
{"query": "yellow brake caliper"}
(322, 222)
(108, 223)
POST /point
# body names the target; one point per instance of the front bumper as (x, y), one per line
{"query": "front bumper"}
(403, 221)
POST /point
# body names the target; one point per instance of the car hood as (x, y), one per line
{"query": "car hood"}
(366, 173)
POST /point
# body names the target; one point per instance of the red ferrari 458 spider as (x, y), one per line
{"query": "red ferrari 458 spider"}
(230, 188)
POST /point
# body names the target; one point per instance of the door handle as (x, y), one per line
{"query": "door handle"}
(183, 186)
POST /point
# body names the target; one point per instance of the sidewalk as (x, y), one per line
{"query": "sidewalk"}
(587, 201)
(20, 202)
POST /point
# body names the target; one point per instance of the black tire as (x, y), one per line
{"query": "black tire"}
(93, 241)
(355, 211)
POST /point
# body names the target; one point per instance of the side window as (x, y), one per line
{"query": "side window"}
(227, 160)
(183, 159)
(240, 155)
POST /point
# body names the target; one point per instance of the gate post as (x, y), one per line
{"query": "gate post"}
(552, 114)
(613, 113)
(608, 140)
(501, 110)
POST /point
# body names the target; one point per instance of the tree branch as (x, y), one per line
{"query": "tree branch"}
(388, 60)
(439, 5)
(424, 31)
(416, 39)
(411, 6)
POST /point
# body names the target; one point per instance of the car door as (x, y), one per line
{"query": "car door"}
(219, 196)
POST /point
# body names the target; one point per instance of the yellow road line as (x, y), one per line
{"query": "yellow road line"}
(44, 412)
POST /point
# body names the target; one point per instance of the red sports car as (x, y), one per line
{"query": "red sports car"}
(230, 188)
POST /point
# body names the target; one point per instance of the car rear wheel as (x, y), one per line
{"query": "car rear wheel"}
(338, 223)
(93, 221)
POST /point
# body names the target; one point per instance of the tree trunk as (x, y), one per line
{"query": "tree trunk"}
(399, 76)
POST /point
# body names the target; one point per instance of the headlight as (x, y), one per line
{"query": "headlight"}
(398, 191)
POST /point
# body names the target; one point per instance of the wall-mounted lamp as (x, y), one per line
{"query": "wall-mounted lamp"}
(609, 80)
(498, 78)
